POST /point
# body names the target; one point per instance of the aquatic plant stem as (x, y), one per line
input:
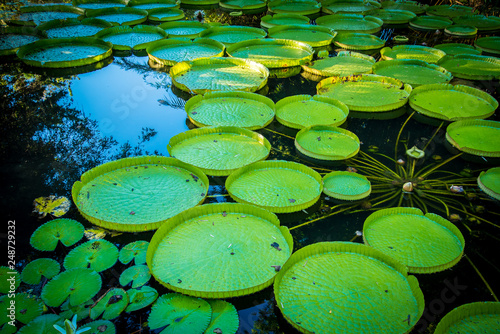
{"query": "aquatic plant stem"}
(399, 135)
(437, 166)
(482, 278)
(323, 217)
(447, 210)
(279, 133)
(434, 135)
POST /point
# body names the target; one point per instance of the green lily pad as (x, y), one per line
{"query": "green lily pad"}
(319, 288)
(137, 276)
(134, 251)
(425, 243)
(452, 49)
(219, 150)
(228, 35)
(43, 324)
(367, 92)
(110, 305)
(224, 317)
(489, 44)
(73, 27)
(460, 30)
(346, 186)
(410, 5)
(125, 38)
(80, 285)
(349, 6)
(219, 74)
(150, 4)
(449, 11)
(26, 307)
(101, 327)
(430, 22)
(46, 237)
(476, 137)
(393, 16)
(140, 298)
(269, 21)
(481, 22)
(327, 143)
(36, 15)
(169, 52)
(82, 311)
(97, 255)
(97, 4)
(413, 72)
(8, 329)
(478, 317)
(300, 111)
(187, 29)
(417, 52)
(278, 186)
(452, 103)
(160, 15)
(489, 182)
(343, 23)
(272, 53)
(51, 205)
(358, 41)
(7, 284)
(345, 64)
(245, 110)
(12, 38)
(314, 36)
(175, 313)
(119, 15)
(246, 6)
(472, 67)
(33, 272)
(224, 263)
(301, 7)
(112, 195)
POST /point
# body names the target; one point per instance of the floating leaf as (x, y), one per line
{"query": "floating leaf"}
(68, 231)
(134, 251)
(478, 317)
(8, 329)
(33, 272)
(9, 280)
(43, 324)
(97, 255)
(26, 307)
(180, 314)
(138, 275)
(140, 298)
(78, 284)
(101, 327)
(55, 206)
(96, 233)
(224, 318)
(81, 310)
(111, 305)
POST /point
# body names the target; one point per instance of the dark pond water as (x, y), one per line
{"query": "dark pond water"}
(55, 126)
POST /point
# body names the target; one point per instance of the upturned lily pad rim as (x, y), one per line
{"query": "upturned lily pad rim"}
(153, 14)
(432, 218)
(447, 87)
(57, 42)
(413, 6)
(324, 20)
(485, 186)
(444, 46)
(269, 164)
(76, 3)
(44, 8)
(369, 59)
(483, 44)
(316, 98)
(464, 311)
(342, 196)
(370, 5)
(247, 9)
(138, 29)
(305, 27)
(183, 67)
(119, 10)
(471, 76)
(266, 21)
(278, 62)
(315, 7)
(193, 101)
(442, 10)
(460, 30)
(341, 41)
(166, 43)
(472, 123)
(216, 208)
(319, 248)
(401, 16)
(74, 22)
(420, 22)
(209, 130)
(411, 62)
(466, 19)
(385, 53)
(129, 162)
(31, 31)
(228, 29)
(184, 24)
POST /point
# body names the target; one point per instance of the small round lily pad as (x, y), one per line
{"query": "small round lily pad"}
(346, 186)
(358, 41)
(43, 324)
(33, 272)
(97, 255)
(101, 327)
(489, 182)
(489, 44)
(460, 30)
(478, 317)
(26, 307)
(327, 143)
(476, 137)
(110, 305)
(134, 251)
(137, 276)
(46, 237)
(140, 298)
(224, 317)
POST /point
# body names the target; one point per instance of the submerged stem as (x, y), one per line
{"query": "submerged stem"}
(482, 277)
(399, 135)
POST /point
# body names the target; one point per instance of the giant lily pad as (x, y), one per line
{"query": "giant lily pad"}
(478, 317)
(43, 324)
(224, 317)
(159, 15)
(228, 35)
(79, 285)
(476, 137)
(489, 44)
(36, 15)
(171, 51)
(97, 255)
(367, 92)
(393, 16)
(269, 21)
(245, 6)
(110, 305)
(300, 111)
(279, 186)
(238, 248)
(140, 298)
(346, 185)
(452, 49)
(489, 182)
(119, 15)
(430, 22)
(452, 103)
(219, 150)
(413, 72)
(97, 4)
(346, 63)
(137, 276)
(46, 237)
(125, 38)
(425, 243)
(327, 143)
(272, 53)
(151, 4)
(219, 74)
(417, 52)
(33, 272)
(349, 6)
(449, 11)
(175, 313)
(187, 29)
(481, 22)
(134, 251)
(351, 23)
(302, 7)
(314, 36)
(460, 30)
(319, 288)
(73, 27)
(472, 67)
(64, 52)
(138, 194)
(358, 41)
(12, 38)
(245, 110)
(410, 5)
